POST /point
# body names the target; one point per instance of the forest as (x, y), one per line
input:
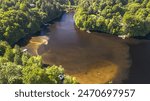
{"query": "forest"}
(117, 17)
(19, 67)
(19, 18)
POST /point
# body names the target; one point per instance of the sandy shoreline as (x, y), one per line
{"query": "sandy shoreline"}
(35, 43)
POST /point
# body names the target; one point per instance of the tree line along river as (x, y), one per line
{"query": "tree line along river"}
(91, 57)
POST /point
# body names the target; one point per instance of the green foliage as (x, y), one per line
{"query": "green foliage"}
(17, 55)
(3, 47)
(10, 72)
(17, 66)
(9, 54)
(37, 60)
(120, 17)
(70, 80)
(32, 74)
(53, 73)
(21, 17)
(17, 19)
(24, 58)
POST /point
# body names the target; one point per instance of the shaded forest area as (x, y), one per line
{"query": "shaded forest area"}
(118, 17)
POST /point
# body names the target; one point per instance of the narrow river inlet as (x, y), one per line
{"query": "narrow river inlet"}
(92, 58)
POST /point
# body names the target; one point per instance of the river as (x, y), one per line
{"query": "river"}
(92, 58)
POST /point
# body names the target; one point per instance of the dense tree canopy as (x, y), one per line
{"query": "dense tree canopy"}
(21, 17)
(17, 66)
(17, 19)
(119, 17)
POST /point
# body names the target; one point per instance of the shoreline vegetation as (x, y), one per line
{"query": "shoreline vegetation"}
(26, 17)
(19, 18)
(124, 18)
(18, 66)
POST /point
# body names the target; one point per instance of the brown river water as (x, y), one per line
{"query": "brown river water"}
(94, 57)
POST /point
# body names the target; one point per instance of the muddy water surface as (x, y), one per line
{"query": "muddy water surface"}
(90, 57)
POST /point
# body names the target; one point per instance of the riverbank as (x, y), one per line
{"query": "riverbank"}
(92, 57)
(121, 20)
(38, 32)
(37, 39)
(34, 44)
